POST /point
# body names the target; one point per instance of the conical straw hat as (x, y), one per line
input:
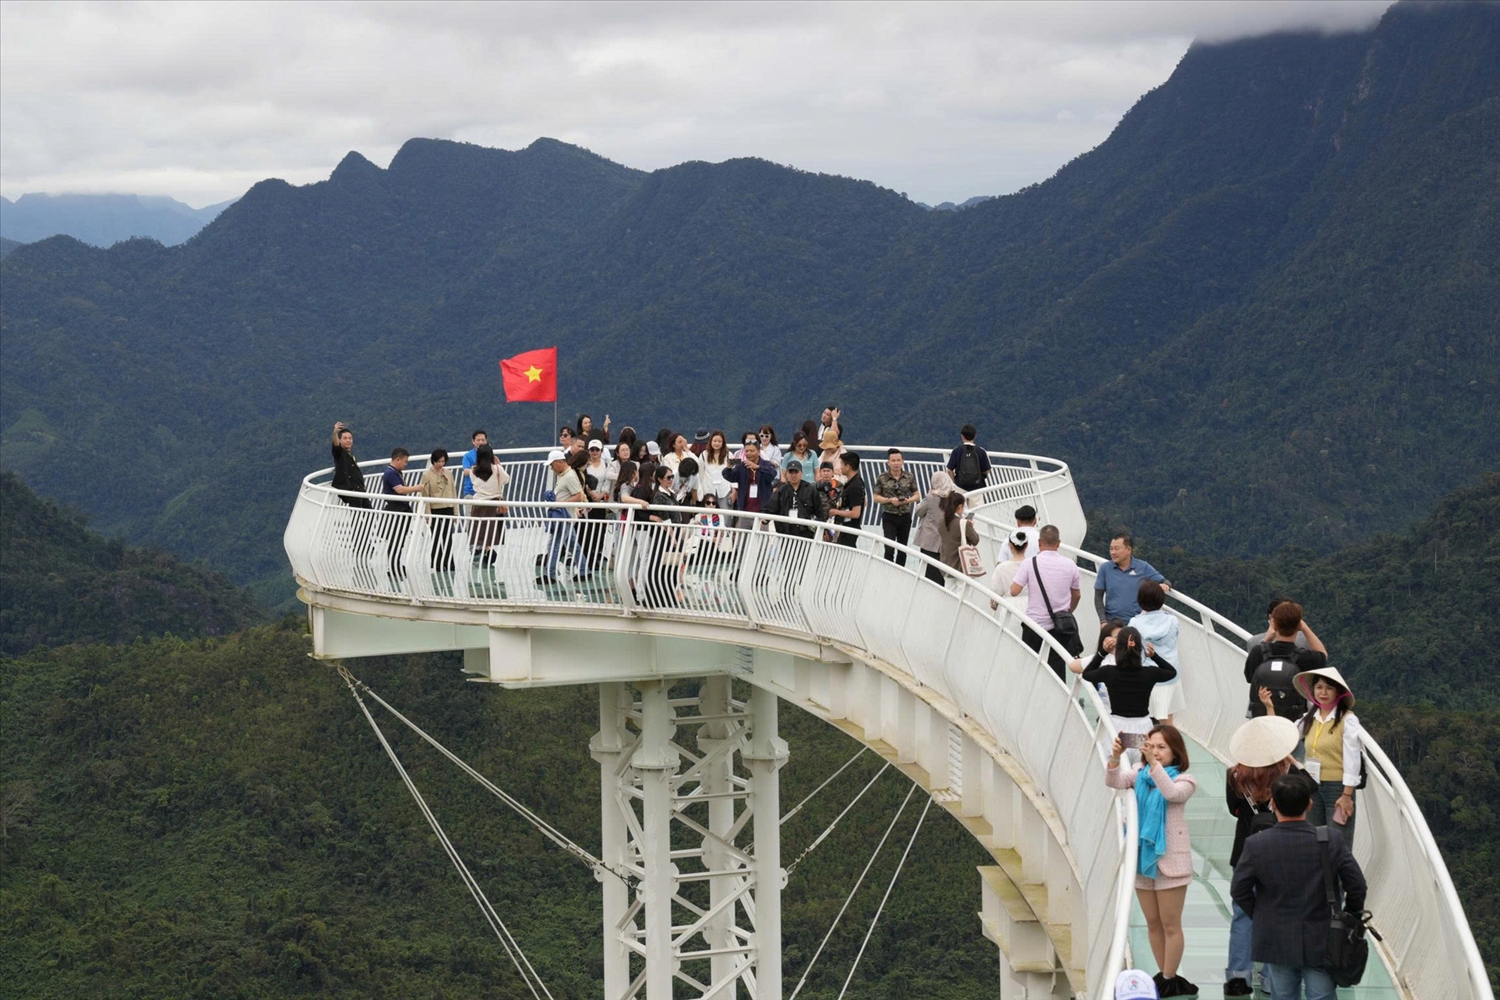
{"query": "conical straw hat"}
(1264, 741)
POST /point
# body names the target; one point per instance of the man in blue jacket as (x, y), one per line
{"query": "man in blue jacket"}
(750, 483)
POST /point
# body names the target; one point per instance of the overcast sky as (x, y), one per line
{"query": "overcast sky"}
(942, 101)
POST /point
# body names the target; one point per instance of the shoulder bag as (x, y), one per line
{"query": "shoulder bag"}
(968, 555)
(1348, 951)
(1064, 625)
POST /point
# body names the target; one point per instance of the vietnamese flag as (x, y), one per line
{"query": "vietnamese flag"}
(531, 377)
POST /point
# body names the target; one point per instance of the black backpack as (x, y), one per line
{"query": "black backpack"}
(1289, 704)
(970, 472)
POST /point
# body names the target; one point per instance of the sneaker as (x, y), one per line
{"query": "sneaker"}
(1238, 988)
(1181, 988)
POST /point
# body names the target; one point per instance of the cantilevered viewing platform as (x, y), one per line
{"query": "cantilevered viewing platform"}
(929, 676)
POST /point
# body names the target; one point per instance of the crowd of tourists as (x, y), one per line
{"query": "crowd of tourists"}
(1297, 760)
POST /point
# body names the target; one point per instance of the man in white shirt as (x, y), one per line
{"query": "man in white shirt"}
(1026, 521)
(563, 523)
(1046, 576)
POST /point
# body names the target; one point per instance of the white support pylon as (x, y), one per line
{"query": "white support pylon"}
(704, 919)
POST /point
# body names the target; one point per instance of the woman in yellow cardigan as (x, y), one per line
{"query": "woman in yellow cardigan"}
(1330, 733)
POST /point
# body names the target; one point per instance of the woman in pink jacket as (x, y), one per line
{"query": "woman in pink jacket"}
(1162, 788)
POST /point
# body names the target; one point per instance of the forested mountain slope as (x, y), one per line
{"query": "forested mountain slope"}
(1261, 313)
(60, 583)
(1408, 617)
(215, 819)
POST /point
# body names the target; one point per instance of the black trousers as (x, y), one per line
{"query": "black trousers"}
(443, 523)
(897, 528)
(933, 573)
(1033, 638)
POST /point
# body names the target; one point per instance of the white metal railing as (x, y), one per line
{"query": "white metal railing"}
(1429, 947)
(947, 638)
(1015, 480)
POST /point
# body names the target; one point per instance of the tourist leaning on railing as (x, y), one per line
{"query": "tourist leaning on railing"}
(1165, 860)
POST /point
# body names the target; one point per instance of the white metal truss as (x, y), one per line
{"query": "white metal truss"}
(704, 917)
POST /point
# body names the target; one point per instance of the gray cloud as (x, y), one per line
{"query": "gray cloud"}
(941, 100)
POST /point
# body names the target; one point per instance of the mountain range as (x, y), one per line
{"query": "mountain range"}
(1261, 313)
(103, 219)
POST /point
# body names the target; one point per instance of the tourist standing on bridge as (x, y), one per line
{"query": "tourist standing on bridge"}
(488, 526)
(1262, 751)
(831, 450)
(1046, 577)
(1273, 664)
(1119, 581)
(751, 482)
(588, 432)
(955, 528)
(437, 486)
(348, 478)
(851, 501)
(896, 493)
(802, 453)
(1160, 630)
(676, 452)
(478, 439)
(1330, 734)
(346, 474)
(393, 484)
(1165, 861)
(832, 419)
(968, 463)
(1129, 682)
(1026, 521)
(1279, 882)
(713, 463)
(1004, 573)
(795, 498)
(770, 450)
(928, 513)
(563, 521)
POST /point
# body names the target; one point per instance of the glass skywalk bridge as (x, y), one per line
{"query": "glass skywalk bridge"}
(930, 677)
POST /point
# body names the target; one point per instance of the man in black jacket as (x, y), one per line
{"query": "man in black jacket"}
(1279, 883)
(794, 498)
(346, 474)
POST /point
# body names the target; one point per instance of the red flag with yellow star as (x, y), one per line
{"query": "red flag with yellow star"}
(531, 377)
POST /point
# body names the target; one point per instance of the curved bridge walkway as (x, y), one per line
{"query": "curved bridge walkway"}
(931, 677)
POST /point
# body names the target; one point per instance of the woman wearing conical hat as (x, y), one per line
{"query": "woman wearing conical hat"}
(1262, 751)
(1330, 733)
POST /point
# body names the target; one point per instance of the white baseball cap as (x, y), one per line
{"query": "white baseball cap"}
(1133, 984)
(556, 456)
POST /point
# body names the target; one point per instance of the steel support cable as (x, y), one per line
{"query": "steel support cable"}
(824, 835)
(507, 940)
(793, 811)
(546, 829)
(881, 907)
(850, 898)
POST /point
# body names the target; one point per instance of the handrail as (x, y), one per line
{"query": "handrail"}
(1212, 652)
(988, 665)
(1017, 479)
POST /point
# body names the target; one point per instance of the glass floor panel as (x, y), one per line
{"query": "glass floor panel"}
(1205, 916)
